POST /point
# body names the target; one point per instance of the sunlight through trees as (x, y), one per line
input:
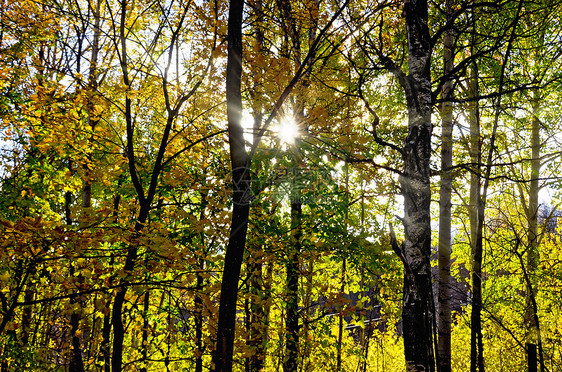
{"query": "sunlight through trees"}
(280, 185)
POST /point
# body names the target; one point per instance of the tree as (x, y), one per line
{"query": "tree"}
(414, 182)
(444, 296)
(240, 163)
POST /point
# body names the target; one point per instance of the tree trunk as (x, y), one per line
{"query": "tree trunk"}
(257, 316)
(258, 295)
(145, 326)
(229, 288)
(27, 316)
(198, 302)
(292, 310)
(117, 310)
(444, 299)
(476, 344)
(418, 311)
(532, 327)
(121, 292)
(76, 362)
(476, 348)
(145, 199)
(343, 275)
(241, 193)
(105, 348)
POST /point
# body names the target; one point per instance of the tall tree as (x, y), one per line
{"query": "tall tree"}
(415, 250)
(135, 74)
(445, 187)
(531, 317)
(537, 68)
(240, 164)
(477, 348)
(418, 313)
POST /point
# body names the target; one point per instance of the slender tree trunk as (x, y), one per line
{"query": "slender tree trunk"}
(267, 282)
(475, 212)
(292, 29)
(444, 299)
(256, 316)
(343, 274)
(229, 288)
(532, 327)
(121, 292)
(417, 311)
(477, 347)
(76, 362)
(340, 318)
(476, 216)
(119, 301)
(198, 302)
(257, 313)
(145, 325)
(292, 310)
(241, 193)
(145, 199)
(258, 296)
(27, 316)
(105, 348)
(476, 343)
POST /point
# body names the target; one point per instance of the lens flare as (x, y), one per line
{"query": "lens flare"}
(288, 130)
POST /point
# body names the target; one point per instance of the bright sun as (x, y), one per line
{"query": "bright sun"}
(288, 130)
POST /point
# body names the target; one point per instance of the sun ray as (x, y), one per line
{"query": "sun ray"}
(288, 130)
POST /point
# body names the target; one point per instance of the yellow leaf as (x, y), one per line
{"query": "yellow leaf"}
(5, 276)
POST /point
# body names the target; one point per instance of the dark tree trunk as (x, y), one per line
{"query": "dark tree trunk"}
(198, 302)
(145, 325)
(145, 199)
(257, 313)
(76, 362)
(418, 310)
(531, 317)
(27, 316)
(117, 311)
(229, 287)
(241, 193)
(444, 302)
(476, 344)
(105, 348)
(292, 309)
(475, 231)
(474, 210)
(343, 276)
